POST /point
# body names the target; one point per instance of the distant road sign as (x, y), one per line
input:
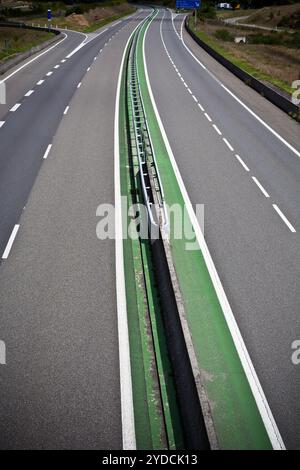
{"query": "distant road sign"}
(188, 4)
(49, 15)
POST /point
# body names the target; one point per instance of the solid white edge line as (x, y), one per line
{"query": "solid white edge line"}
(181, 40)
(283, 217)
(35, 58)
(259, 119)
(242, 162)
(10, 241)
(258, 393)
(15, 107)
(260, 186)
(47, 151)
(127, 410)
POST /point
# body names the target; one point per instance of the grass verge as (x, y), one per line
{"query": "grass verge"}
(223, 48)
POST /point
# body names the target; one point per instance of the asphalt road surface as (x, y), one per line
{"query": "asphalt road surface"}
(60, 387)
(237, 153)
(238, 168)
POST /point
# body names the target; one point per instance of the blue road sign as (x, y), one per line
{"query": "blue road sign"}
(188, 4)
(49, 15)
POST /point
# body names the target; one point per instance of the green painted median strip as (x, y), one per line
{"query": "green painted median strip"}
(235, 414)
(157, 421)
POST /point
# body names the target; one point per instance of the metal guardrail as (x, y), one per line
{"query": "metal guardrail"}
(10, 24)
(143, 144)
(186, 375)
(276, 98)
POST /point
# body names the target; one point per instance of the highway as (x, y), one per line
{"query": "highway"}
(59, 388)
(233, 164)
(64, 293)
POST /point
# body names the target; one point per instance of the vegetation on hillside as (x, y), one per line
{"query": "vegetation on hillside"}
(14, 41)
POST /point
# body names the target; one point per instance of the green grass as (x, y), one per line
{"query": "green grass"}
(243, 64)
(15, 40)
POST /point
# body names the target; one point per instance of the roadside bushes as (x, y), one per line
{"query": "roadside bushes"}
(207, 11)
(274, 39)
(224, 35)
(37, 9)
(78, 9)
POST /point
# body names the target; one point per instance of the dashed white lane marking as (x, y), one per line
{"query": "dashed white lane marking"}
(185, 85)
(242, 162)
(79, 85)
(63, 61)
(249, 110)
(10, 241)
(100, 50)
(194, 98)
(40, 82)
(95, 58)
(66, 110)
(258, 393)
(260, 186)
(207, 117)
(29, 93)
(48, 74)
(283, 217)
(217, 129)
(57, 66)
(88, 69)
(15, 107)
(190, 91)
(47, 151)
(201, 107)
(2, 123)
(228, 144)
